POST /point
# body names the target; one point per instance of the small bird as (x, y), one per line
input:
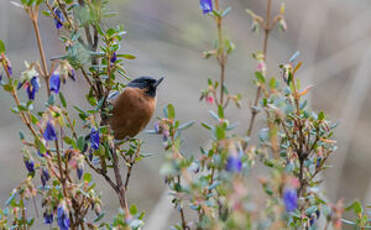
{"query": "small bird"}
(134, 107)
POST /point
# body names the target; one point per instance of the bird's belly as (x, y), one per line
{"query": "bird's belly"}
(131, 121)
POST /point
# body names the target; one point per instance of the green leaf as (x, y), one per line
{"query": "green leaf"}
(259, 76)
(87, 177)
(206, 126)
(11, 198)
(68, 140)
(81, 143)
(311, 210)
(46, 13)
(100, 104)
(267, 189)
(186, 125)
(99, 217)
(321, 116)
(63, 100)
(170, 111)
(91, 99)
(2, 47)
(347, 221)
(216, 13)
(51, 99)
(34, 119)
(219, 133)
(127, 56)
(272, 83)
(356, 206)
(21, 135)
(133, 210)
(220, 111)
(226, 11)
(30, 2)
(40, 146)
(214, 115)
(289, 79)
(8, 88)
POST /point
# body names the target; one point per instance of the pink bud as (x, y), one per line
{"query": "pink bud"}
(294, 182)
(210, 100)
(261, 67)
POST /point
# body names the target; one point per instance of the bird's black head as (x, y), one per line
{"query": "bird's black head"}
(148, 83)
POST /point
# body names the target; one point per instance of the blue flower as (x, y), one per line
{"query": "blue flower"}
(49, 132)
(72, 74)
(20, 84)
(94, 139)
(48, 218)
(312, 220)
(206, 6)
(62, 218)
(114, 57)
(58, 22)
(79, 171)
(234, 164)
(40, 154)
(1, 77)
(30, 165)
(290, 199)
(32, 88)
(158, 128)
(10, 69)
(319, 160)
(44, 176)
(55, 82)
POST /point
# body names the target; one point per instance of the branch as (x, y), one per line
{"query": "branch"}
(267, 29)
(119, 185)
(34, 18)
(220, 54)
(184, 222)
(102, 173)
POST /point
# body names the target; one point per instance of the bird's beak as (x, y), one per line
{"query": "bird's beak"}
(158, 82)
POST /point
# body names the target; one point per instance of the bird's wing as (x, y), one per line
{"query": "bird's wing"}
(112, 95)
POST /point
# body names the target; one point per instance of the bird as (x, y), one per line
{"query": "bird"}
(134, 107)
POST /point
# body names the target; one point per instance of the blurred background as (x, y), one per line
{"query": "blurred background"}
(168, 38)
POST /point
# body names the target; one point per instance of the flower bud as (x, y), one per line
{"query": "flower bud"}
(55, 82)
(49, 132)
(58, 21)
(48, 218)
(94, 139)
(30, 166)
(44, 176)
(63, 216)
(206, 6)
(290, 199)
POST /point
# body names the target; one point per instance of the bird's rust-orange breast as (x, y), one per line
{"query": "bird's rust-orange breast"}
(132, 110)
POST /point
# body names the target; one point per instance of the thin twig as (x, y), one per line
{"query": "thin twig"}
(220, 54)
(34, 18)
(267, 29)
(130, 167)
(184, 222)
(119, 184)
(102, 173)
(86, 76)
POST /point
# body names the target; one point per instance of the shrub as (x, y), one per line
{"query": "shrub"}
(294, 143)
